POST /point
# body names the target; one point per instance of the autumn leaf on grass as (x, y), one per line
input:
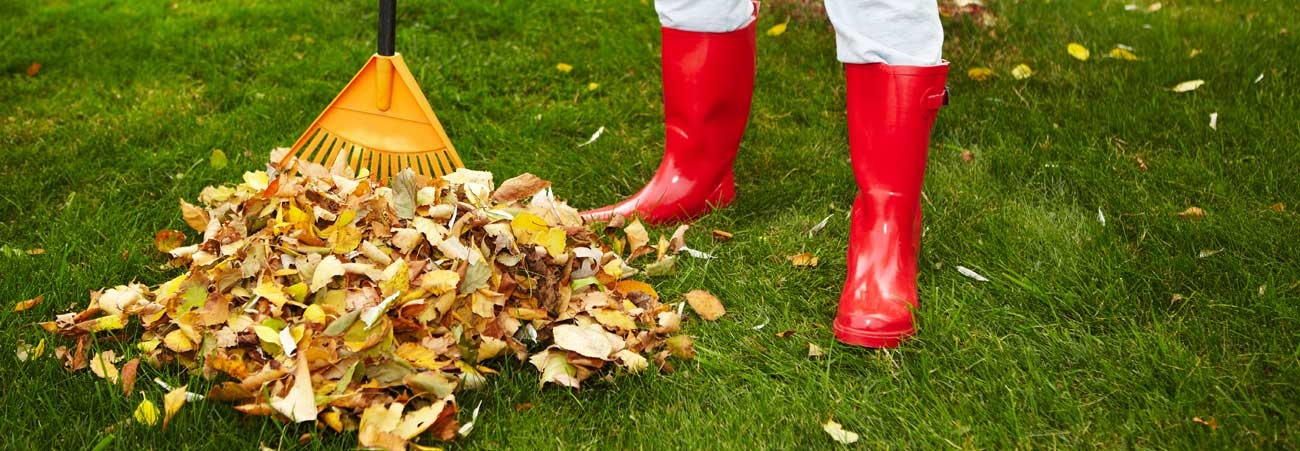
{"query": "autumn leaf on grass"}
(166, 240)
(565, 68)
(980, 73)
(705, 304)
(102, 365)
(28, 304)
(1192, 214)
(128, 376)
(1022, 72)
(815, 351)
(778, 29)
(33, 69)
(218, 160)
(146, 413)
(1187, 86)
(837, 432)
(300, 403)
(26, 352)
(721, 235)
(519, 187)
(196, 217)
(1078, 51)
(804, 260)
(1122, 53)
(172, 403)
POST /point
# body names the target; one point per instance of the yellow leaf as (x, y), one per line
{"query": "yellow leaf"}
(1192, 213)
(593, 86)
(1123, 54)
(979, 73)
(418, 356)
(837, 432)
(39, 350)
(804, 260)
(706, 304)
(257, 180)
(113, 322)
(196, 217)
(24, 305)
(526, 226)
(1022, 72)
(271, 291)
(439, 281)
(1078, 51)
(300, 403)
(778, 29)
(562, 67)
(416, 422)
(328, 268)
(614, 318)
(1187, 86)
(314, 314)
(177, 341)
(146, 413)
(172, 403)
(554, 240)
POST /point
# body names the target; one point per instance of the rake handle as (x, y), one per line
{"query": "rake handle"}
(387, 26)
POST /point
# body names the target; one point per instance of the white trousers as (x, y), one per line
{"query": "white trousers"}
(896, 32)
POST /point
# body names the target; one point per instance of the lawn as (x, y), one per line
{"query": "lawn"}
(1145, 329)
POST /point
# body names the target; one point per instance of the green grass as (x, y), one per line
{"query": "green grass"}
(1073, 343)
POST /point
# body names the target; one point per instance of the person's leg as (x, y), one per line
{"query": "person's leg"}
(891, 50)
(708, 81)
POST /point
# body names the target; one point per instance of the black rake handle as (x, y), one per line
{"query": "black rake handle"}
(387, 26)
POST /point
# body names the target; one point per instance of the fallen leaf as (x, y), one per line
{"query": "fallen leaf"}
(1278, 207)
(299, 404)
(592, 86)
(102, 365)
(28, 304)
(1021, 72)
(172, 403)
(681, 346)
(562, 67)
(35, 251)
(1188, 86)
(815, 351)
(804, 260)
(1214, 120)
(1101, 217)
(786, 333)
(34, 68)
(146, 413)
(196, 217)
(591, 340)
(979, 73)
(705, 304)
(967, 155)
(1122, 54)
(1207, 252)
(519, 187)
(329, 268)
(1211, 423)
(218, 161)
(1176, 298)
(1142, 164)
(1192, 213)
(167, 239)
(1193, 53)
(128, 376)
(1078, 51)
(837, 432)
(721, 235)
(971, 274)
(778, 29)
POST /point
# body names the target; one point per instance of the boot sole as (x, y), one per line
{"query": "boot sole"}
(866, 339)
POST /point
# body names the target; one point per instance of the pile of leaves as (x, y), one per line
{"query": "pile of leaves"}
(321, 296)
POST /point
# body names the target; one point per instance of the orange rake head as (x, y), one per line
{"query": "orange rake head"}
(381, 123)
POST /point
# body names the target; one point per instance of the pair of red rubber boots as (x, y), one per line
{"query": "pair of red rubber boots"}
(708, 82)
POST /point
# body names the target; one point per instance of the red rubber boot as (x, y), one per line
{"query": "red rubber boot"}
(708, 82)
(890, 112)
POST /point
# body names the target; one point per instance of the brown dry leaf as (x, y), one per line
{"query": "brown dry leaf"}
(1142, 164)
(35, 251)
(1278, 207)
(786, 333)
(804, 260)
(637, 237)
(1211, 422)
(705, 304)
(967, 155)
(519, 187)
(815, 351)
(128, 376)
(33, 69)
(682, 346)
(1192, 213)
(28, 304)
(172, 403)
(196, 217)
(166, 240)
(721, 235)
